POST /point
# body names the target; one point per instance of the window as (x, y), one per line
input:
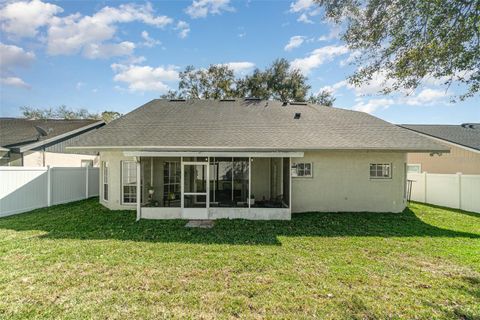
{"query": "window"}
(380, 171)
(414, 168)
(129, 182)
(86, 163)
(302, 169)
(105, 180)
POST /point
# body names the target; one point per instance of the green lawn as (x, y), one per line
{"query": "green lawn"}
(83, 261)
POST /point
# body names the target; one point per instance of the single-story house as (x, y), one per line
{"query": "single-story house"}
(42, 142)
(463, 141)
(251, 159)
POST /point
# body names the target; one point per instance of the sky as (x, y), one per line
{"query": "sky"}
(118, 55)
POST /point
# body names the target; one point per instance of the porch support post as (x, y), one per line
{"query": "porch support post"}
(290, 184)
(139, 189)
(249, 181)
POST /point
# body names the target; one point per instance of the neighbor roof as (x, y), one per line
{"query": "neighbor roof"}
(251, 125)
(467, 134)
(20, 133)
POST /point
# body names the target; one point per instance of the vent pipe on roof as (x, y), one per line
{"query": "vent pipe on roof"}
(177, 100)
(297, 115)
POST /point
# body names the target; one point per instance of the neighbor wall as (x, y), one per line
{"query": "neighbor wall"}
(341, 183)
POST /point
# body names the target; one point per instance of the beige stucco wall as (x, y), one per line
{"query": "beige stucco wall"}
(114, 186)
(35, 159)
(341, 183)
(458, 160)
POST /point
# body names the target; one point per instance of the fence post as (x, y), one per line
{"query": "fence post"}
(425, 187)
(86, 182)
(49, 186)
(459, 180)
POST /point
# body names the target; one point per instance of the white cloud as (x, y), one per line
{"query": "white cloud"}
(426, 96)
(333, 34)
(13, 56)
(148, 41)
(240, 67)
(202, 8)
(318, 57)
(103, 51)
(145, 78)
(183, 29)
(14, 82)
(372, 105)
(79, 85)
(294, 42)
(306, 8)
(76, 33)
(22, 19)
(301, 5)
(334, 87)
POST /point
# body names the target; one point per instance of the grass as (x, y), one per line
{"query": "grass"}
(81, 260)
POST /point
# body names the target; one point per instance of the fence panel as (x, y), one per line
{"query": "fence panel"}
(470, 194)
(448, 190)
(22, 189)
(68, 184)
(93, 182)
(26, 188)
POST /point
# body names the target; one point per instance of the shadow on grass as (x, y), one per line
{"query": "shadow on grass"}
(467, 213)
(89, 220)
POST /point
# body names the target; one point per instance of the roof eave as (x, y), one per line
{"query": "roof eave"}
(37, 144)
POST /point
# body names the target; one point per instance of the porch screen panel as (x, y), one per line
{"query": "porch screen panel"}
(224, 182)
(129, 182)
(240, 181)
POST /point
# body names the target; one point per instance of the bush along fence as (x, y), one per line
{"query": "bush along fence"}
(459, 191)
(26, 188)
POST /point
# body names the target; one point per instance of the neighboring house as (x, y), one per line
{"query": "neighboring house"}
(252, 159)
(40, 143)
(463, 141)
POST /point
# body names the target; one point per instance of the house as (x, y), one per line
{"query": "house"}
(252, 159)
(42, 142)
(463, 141)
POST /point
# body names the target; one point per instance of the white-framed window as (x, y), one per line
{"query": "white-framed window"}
(414, 168)
(302, 169)
(105, 180)
(380, 170)
(129, 182)
(86, 163)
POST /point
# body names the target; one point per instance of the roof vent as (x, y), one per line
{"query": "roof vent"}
(284, 103)
(252, 99)
(177, 100)
(468, 125)
(298, 103)
(228, 100)
(297, 115)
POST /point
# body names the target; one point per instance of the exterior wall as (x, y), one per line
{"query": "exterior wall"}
(221, 213)
(341, 183)
(458, 160)
(35, 159)
(10, 159)
(114, 183)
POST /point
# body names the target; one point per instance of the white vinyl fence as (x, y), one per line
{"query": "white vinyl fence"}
(459, 191)
(27, 188)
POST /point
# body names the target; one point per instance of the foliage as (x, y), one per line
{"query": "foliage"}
(109, 116)
(215, 82)
(324, 98)
(412, 41)
(279, 81)
(81, 260)
(62, 112)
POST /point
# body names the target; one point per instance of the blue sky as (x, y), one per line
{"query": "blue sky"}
(116, 55)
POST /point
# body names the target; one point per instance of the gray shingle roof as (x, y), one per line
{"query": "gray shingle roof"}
(16, 132)
(252, 125)
(467, 135)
